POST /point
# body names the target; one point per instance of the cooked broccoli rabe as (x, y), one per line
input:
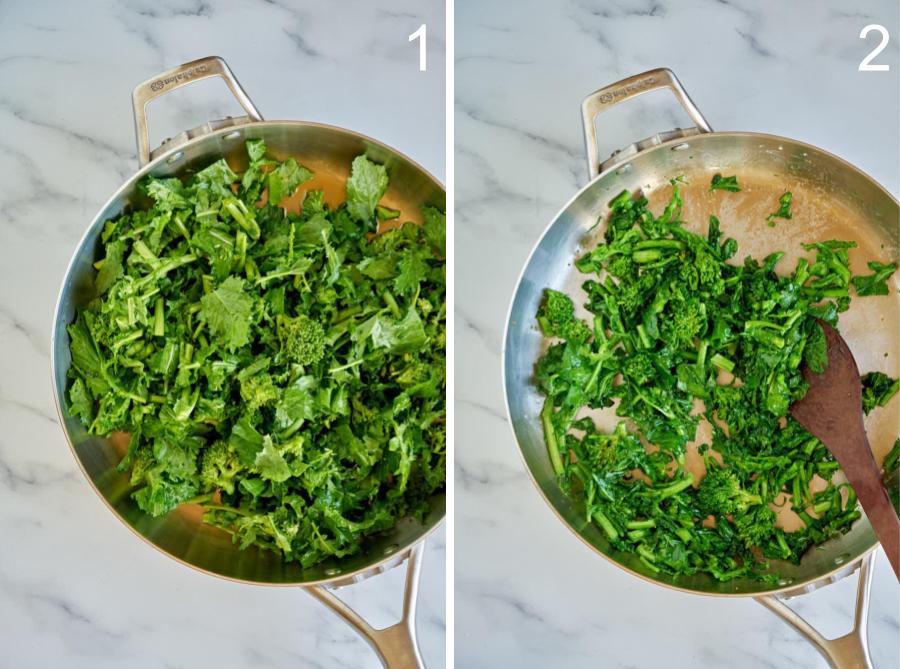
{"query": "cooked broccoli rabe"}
(784, 209)
(284, 370)
(671, 321)
(724, 183)
(878, 389)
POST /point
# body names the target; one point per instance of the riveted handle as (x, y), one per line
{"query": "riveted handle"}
(397, 645)
(161, 84)
(850, 651)
(610, 96)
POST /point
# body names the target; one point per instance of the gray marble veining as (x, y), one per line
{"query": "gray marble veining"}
(76, 588)
(528, 593)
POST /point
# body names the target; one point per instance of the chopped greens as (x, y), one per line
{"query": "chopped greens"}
(875, 283)
(878, 389)
(784, 209)
(285, 371)
(678, 333)
(724, 183)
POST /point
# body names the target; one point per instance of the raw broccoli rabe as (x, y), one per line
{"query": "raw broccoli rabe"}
(219, 467)
(283, 369)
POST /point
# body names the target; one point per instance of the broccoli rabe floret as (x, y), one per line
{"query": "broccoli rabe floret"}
(258, 391)
(878, 389)
(721, 493)
(219, 467)
(755, 525)
(688, 320)
(556, 317)
(613, 452)
(302, 339)
(639, 368)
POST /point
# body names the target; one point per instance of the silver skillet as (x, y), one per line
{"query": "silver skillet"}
(181, 535)
(832, 199)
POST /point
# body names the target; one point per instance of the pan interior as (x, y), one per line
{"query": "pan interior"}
(832, 200)
(328, 151)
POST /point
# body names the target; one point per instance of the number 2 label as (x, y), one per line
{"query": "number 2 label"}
(866, 65)
(421, 34)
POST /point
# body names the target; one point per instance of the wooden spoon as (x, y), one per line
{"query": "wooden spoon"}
(832, 411)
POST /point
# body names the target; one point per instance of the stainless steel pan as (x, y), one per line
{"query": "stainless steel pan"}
(832, 199)
(181, 535)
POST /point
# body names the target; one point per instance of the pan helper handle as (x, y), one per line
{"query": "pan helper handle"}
(850, 651)
(161, 84)
(397, 646)
(608, 97)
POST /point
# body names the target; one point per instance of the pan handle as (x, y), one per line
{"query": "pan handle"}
(850, 651)
(397, 645)
(196, 70)
(609, 96)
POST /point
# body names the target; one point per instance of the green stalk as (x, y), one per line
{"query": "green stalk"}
(550, 436)
(240, 213)
(159, 323)
(701, 354)
(347, 366)
(391, 303)
(675, 488)
(605, 525)
(722, 362)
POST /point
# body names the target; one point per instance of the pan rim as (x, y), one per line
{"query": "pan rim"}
(344, 578)
(813, 583)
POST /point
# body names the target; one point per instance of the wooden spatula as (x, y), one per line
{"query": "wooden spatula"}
(832, 411)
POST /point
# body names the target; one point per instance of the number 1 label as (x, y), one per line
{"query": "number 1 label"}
(421, 34)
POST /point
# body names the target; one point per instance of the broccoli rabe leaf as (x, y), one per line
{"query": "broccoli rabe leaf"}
(435, 226)
(285, 179)
(724, 183)
(399, 336)
(878, 389)
(875, 283)
(228, 311)
(783, 211)
(367, 183)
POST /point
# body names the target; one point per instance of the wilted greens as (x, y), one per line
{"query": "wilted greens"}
(679, 333)
(286, 371)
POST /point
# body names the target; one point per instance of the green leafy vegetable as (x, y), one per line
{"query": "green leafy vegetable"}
(286, 371)
(673, 334)
(285, 179)
(878, 389)
(227, 311)
(367, 183)
(724, 183)
(784, 209)
(875, 283)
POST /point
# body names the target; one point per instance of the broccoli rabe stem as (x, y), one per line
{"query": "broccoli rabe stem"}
(391, 303)
(722, 362)
(674, 488)
(605, 525)
(701, 354)
(550, 436)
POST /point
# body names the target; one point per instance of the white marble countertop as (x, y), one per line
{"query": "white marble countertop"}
(77, 590)
(528, 593)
